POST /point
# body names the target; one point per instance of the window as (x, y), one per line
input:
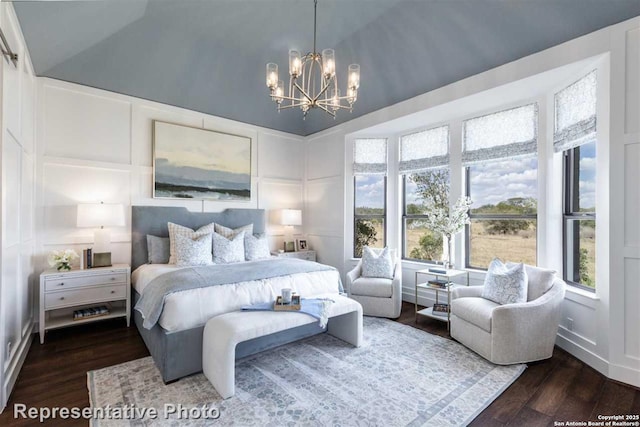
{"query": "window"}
(420, 243)
(369, 212)
(575, 137)
(503, 214)
(370, 194)
(423, 158)
(501, 179)
(580, 216)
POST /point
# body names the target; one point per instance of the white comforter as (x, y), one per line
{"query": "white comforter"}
(191, 308)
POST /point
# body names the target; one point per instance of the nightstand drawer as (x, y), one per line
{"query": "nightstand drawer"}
(309, 256)
(62, 283)
(81, 296)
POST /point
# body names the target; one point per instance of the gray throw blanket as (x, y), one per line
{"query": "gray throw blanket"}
(151, 302)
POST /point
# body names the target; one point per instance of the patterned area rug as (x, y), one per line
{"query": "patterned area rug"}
(400, 376)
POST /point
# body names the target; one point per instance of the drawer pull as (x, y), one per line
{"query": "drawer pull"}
(113, 278)
(62, 284)
(61, 298)
(113, 292)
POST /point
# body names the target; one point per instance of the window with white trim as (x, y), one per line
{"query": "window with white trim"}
(424, 161)
(370, 194)
(499, 155)
(575, 137)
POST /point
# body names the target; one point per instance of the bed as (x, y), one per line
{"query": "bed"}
(175, 340)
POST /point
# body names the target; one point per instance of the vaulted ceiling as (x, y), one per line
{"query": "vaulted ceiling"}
(210, 55)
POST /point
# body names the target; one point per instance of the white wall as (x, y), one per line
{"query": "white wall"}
(95, 145)
(18, 87)
(606, 331)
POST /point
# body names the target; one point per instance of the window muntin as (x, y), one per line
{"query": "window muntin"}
(580, 216)
(419, 190)
(369, 212)
(504, 212)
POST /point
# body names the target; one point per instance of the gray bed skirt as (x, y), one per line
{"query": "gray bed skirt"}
(179, 354)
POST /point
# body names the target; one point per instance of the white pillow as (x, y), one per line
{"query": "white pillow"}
(195, 251)
(232, 232)
(175, 229)
(539, 280)
(256, 247)
(377, 265)
(504, 285)
(226, 251)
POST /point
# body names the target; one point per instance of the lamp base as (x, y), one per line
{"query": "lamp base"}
(101, 241)
(102, 259)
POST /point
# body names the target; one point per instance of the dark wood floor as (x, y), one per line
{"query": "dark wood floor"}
(559, 389)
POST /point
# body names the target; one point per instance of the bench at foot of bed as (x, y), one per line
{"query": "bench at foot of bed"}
(222, 334)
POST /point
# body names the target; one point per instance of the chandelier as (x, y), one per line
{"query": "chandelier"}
(312, 81)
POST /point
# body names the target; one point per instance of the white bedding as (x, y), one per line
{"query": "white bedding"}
(191, 308)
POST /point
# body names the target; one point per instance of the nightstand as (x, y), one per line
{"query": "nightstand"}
(62, 292)
(306, 255)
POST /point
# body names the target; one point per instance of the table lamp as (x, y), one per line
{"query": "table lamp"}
(290, 218)
(98, 216)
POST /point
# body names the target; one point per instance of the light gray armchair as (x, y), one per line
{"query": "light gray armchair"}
(509, 333)
(378, 297)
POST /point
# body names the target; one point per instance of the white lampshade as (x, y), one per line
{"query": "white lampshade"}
(291, 217)
(100, 215)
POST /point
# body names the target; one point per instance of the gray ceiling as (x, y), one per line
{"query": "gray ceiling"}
(210, 55)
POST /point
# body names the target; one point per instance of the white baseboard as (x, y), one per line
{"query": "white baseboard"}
(16, 364)
(625, 374)
(583, 354)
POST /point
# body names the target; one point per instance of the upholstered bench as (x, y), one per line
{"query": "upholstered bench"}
(222, 334)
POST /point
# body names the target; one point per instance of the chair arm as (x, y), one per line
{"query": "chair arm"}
(533, 323)
(397, 280)
(352, 276)
(466, 291)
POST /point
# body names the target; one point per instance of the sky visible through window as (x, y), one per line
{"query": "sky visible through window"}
(588, 177)
(369, 191)
(495, 182)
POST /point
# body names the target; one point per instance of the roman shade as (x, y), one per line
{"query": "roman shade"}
(424, 150)
(370, 156)
(501, 135)
(575, 114)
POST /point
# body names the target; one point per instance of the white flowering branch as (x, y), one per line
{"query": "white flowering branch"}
(448, 223)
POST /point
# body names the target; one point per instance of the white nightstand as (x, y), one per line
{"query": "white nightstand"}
(63, 292)
(306, 255)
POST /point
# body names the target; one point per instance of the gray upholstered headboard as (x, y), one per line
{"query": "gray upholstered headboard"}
(153, 220)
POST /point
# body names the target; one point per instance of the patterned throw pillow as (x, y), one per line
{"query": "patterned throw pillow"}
(232, 232)
(256, 247)
(195, 251)
(539, 280)
(175, 229)
(377, 265)
(226, 250)
(505, 285)
(158, 249)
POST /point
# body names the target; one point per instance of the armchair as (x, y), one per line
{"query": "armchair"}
(509, 333)
(378, 297)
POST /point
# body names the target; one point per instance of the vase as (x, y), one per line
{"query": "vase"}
(449, 265)
(64, 266)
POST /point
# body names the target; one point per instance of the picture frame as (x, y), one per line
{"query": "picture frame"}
(302, 245)
(191, 163)
(290, 246)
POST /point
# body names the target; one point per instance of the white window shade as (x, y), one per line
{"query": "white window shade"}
(575, 114)
(370, 156)
(502, 135)
(424, 150)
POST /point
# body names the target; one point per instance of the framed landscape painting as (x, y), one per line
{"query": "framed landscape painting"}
(200, 164)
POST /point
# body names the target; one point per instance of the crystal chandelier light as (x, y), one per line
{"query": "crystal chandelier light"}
(312, 81)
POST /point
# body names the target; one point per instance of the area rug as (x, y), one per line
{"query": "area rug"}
(400, 376)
